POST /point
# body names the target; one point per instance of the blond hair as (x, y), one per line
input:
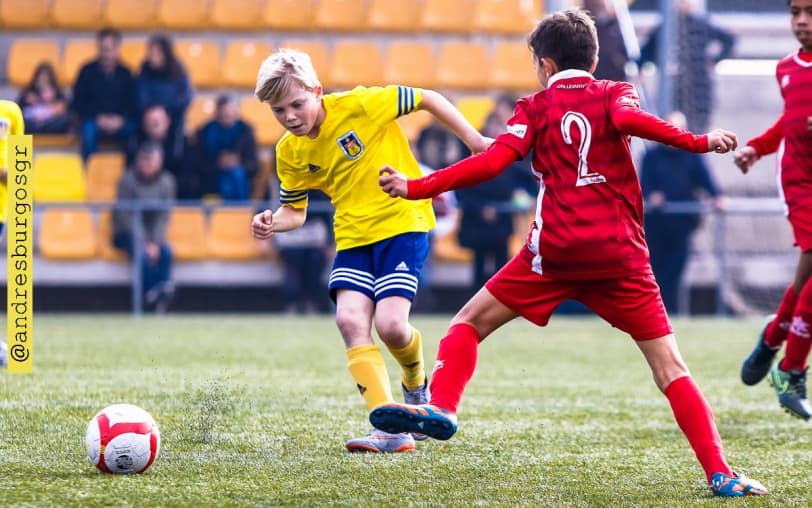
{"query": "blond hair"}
(282, 70)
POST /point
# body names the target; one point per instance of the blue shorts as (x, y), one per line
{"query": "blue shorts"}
(390, 267)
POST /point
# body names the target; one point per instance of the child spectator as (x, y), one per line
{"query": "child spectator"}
(44, 105)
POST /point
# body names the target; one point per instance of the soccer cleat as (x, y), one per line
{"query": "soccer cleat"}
(431, 420)
(791, 390)
(381, 442)
(758, 362)
(419, 395)
(724, 485)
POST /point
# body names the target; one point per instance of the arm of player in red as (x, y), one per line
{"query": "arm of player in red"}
(767, 142)
(636, 122)
(465, 173)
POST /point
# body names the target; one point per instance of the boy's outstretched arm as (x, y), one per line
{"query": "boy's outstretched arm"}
(765, 143)
(443, 110)
(285, 218)
(636, 122)
(465, 173)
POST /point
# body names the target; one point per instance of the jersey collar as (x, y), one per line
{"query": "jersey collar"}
(566, 74)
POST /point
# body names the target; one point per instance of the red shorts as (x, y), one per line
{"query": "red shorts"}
(801, 220)
(631, 303)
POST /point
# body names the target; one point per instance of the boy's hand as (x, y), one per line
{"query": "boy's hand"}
(745, 157)
(722, 141)
(262, 225)
(392, 182)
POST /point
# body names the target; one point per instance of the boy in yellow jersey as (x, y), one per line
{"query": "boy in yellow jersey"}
(337, 143)
(11, 123)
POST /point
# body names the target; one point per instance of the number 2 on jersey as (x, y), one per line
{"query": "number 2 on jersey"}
(570, 118)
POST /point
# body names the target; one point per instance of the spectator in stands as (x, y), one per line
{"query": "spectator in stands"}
(163, 81)
(104, 96)
(304, 254)
(437, 147)
(673, 176)
(155, 127)
(694, 38)
(612, 56)
(228, 150)
(150, 184)
(44, 105)
(487, 215)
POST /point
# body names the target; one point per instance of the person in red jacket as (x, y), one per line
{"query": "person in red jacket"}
(791, 137)
(586, 243)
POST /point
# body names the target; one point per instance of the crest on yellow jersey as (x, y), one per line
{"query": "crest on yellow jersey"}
(351, 145)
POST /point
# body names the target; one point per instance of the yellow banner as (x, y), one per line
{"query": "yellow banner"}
(19, 257)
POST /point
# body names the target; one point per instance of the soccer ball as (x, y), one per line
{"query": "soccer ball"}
(122, 439)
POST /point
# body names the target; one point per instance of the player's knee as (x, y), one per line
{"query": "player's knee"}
(351, 324)
(393, 330)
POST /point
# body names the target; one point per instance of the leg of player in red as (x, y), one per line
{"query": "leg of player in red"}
(788, 377)
(772, 336)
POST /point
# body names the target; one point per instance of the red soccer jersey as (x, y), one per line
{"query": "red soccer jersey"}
(794, 75)
(589, 211)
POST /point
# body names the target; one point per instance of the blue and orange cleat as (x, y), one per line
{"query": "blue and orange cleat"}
(724, 485)
(419, 395)
(433, 421)
(381, 442)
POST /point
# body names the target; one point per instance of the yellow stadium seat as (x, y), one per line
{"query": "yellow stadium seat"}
(410, 63)
(342, 15)
(389, 16)
(259, 115)
(242, 61)
(200, 111)
(104, 235)
(25, 14)
(463, 66)
(58, 177)
(512, 67)
(475, 109)
(506, 16)
(183, 15)
(355, 63)
(318, 55)
(67, 234)
(133, 52)
(186, 233)
(25, 55)
(415, 122)
(289, 14)
(453, 16)
(104, 170)
(201, 58)
(77, 53)
(237, 14)
(131, 14)
(55, 141)
(77, 14)
(229, 236)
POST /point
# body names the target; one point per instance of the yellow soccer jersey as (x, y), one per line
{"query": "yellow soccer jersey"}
(11, 123)
(358, 136)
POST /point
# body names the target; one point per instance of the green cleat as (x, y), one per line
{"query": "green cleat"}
(791, 390)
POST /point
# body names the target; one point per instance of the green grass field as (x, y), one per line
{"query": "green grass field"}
(254, 411)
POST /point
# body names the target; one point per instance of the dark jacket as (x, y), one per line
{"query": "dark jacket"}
(682, 177)
(213, 138)
(158, 87)
(97, 92)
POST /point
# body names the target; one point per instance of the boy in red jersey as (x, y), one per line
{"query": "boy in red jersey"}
(586, 243)
(791, 136)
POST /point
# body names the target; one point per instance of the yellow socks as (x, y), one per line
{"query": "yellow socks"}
(369, 371)
(410, 359)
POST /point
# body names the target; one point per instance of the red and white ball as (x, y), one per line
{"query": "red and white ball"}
(122, 439)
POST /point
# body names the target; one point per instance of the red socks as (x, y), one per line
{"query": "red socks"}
(776, 331)
(695, 418)
(454, 366)
(798, 338)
